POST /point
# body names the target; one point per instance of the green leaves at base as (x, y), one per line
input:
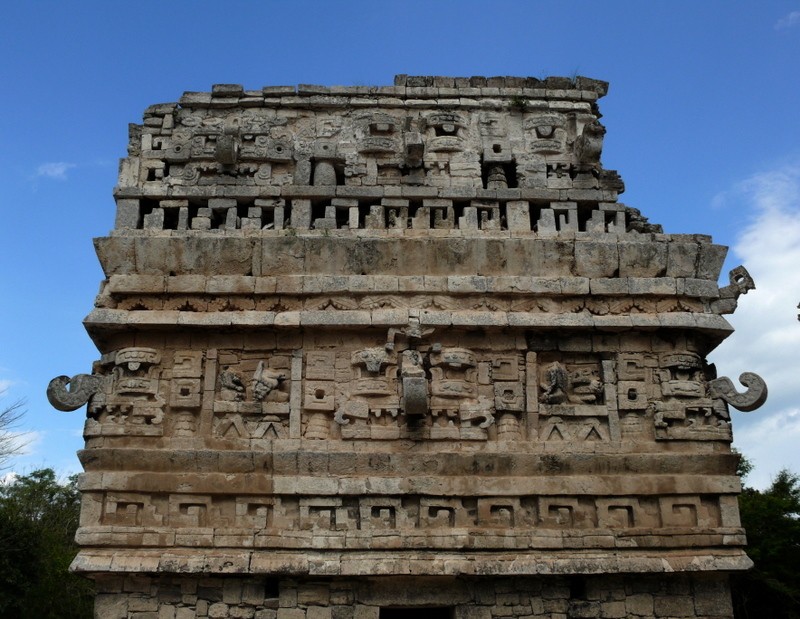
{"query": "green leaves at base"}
(771, 519)
(38, 520)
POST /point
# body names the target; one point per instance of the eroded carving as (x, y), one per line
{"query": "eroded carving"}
(69, 394)
(750, 400)
(265, 381)
(740, 283)
(231, 386)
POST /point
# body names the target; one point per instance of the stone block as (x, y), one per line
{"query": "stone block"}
(116, 255)
(651, 286)
(112, 606)
(362, 611)
(673, 606)
(642, 259)
(318, 612)
(609, 286)
(166, 611)
(543, 285)
(596, 259)
(613, 610)
(575, 285)
(140, 603)
(710, 260)
(639, 605)
(549, 257)
(701, 288)
(518, 215)
(128, 214)
(712, 596)
(473, 612)
(681, 259)
(230, 284)
(461, 284)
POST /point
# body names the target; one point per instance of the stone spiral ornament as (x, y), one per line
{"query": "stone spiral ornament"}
(69, 394)
(750, 400)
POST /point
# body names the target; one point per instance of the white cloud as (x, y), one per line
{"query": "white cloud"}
(770, 443)
(55, 171)
(21, 443)
(767, 338)
(787, 21)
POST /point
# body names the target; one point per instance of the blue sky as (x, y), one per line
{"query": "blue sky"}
(702, 117)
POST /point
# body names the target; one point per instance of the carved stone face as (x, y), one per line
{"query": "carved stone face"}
(445, 132)
(546, 133)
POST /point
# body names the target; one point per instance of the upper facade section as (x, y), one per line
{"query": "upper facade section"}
(480, 154)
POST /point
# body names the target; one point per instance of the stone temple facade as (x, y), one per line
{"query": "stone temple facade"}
(399, 351)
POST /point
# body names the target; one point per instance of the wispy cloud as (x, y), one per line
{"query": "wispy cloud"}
(787, 21)
(767, 337)
(771, 444)
(54, 170)
(23, 443)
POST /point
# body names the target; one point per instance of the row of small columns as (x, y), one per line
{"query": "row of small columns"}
(391, 213)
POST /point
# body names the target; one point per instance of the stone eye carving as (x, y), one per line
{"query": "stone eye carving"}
(546, 132)
(741, 280)
(740, 283)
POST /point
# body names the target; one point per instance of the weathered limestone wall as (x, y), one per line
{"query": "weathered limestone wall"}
(402, 346)
(700, 596)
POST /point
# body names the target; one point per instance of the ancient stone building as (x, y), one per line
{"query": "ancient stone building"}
(369, 352)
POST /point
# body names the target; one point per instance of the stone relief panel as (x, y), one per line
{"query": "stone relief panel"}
(287, 521)
(411, 387)
(686, 410)
(428, 146)
(131, 401)
(251, 397)
(358, 300)
(572, 398)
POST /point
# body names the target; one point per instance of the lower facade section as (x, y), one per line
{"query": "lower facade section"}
(699, 596)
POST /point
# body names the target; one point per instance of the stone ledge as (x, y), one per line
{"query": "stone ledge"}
(101, 318)
(336, 563)
(459, 538)
(503, 259)
(430, 485)
(309, 284)
(290, 456)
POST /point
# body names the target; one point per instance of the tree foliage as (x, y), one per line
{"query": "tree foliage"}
(38, 520)
(772, 520)
(10, 417)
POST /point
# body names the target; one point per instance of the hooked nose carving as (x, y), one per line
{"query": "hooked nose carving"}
(69, 394)
(750, 400)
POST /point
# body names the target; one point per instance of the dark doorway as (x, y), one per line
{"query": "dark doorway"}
(417, 612)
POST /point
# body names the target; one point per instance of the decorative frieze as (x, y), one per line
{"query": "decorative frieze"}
(407, 334)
